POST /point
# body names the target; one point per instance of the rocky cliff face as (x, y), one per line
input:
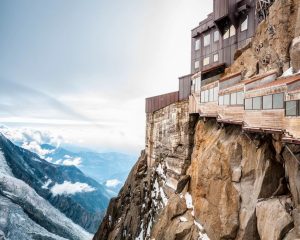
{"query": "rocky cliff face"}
(234, 186)
(272, 47)
(200, 180)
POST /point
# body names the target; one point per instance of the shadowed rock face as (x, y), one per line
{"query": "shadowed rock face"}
(235, 182)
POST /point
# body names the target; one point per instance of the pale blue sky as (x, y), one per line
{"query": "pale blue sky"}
(82, 68)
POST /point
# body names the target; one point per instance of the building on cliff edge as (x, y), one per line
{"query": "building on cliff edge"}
(266, 102)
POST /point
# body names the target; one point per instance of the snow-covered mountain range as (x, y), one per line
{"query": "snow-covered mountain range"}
(42, 200)
(110, 168)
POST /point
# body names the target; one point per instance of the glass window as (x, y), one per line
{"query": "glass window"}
(202, 97)
(205, 61)
(197, 64)
(267, 102)
(198, 84)
(233, 98)
(226, 99)
(291, 108)
(221, 100)
(216, 57)
(232, 31)
(211, 95)
(240, 98)
(193, 87)
(206, 99)
(216, 36)
(278, 100)
(248, 103)
(244, 25)
(226, 34)
(257, 103)
(197, 44)
(206, 40)
(216, 93)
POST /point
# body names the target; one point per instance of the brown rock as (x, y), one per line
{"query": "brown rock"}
(295, 54)
(273, 222)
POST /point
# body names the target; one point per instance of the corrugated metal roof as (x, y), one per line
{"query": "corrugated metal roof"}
(280, 81)
(230, 76)
(258, 77)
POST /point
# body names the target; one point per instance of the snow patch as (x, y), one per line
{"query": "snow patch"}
(46, 184)
(157, 190)
(189, 204)
(69, 188)
(163, 196)
(171, 185)
(141, 235)
(189, 201)
(160, 170)
(288, 72)
(183, 219)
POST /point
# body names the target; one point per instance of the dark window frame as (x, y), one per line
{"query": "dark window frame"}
(282, 100)
(271, 102)
(297, 108)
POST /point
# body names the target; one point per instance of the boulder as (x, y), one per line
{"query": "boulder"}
(273, 221)
(295, 54)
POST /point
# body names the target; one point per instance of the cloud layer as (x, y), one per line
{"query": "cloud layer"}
(73, 68)
(68, 188)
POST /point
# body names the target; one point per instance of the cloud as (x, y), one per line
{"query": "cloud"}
(112, 183)
(69, 161)
(36, 148)
(18, 100)
(68, 188)
(28, 135)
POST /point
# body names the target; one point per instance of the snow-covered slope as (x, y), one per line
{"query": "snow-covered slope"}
(40, 200)
(26, 215)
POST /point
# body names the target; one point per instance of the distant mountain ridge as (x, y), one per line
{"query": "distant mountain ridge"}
(100, 166)
(47, 195)
(109, 168)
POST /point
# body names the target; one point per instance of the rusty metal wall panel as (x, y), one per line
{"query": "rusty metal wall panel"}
(158, 102)
(221, 8)
(184, 87)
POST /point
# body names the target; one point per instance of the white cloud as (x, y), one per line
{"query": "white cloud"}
(68, 188)
(112, 183)
(27, 135)
(72, 161)
(36, 148)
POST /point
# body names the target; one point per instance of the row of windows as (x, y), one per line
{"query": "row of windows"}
(274, 101)
(206, 61)
(235, 98)
(231, 31)
(210, 95)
